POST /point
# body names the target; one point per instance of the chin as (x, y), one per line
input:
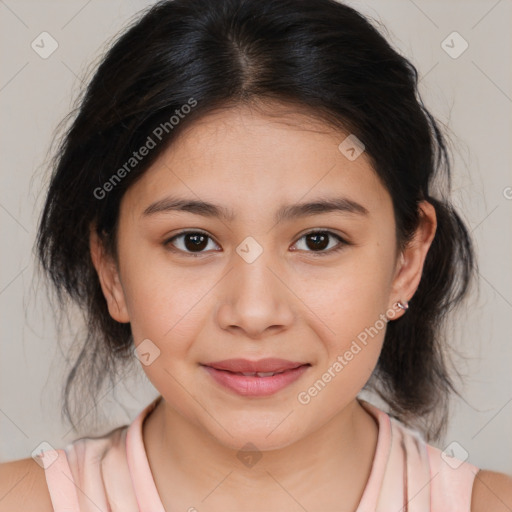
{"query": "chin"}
(250, 433)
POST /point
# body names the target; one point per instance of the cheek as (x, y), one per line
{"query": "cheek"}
(351, 325)
(355, 294)
(162, 301)
(350, 309)
(166, 317)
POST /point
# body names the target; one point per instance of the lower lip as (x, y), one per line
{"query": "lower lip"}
(256, 386)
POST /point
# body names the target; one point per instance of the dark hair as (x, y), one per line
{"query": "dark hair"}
(318, 55)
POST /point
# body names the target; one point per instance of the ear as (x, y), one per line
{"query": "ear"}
(108, 275)
(412, 258)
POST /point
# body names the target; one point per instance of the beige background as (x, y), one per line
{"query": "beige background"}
(471, 94)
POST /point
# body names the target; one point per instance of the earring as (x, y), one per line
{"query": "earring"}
(404, 306)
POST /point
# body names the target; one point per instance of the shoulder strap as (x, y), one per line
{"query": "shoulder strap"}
(61, 484)
(431, 481)
(409, 475)
(452, 482)
(101, 473)
(406, 484)
(91, 474)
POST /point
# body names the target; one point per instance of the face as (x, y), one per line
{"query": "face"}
(199, 288)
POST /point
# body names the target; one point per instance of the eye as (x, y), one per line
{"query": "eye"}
(193, 242)
(318, 241)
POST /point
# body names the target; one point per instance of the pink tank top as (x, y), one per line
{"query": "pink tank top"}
(112, 473)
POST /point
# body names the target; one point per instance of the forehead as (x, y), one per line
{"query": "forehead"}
(247, 159)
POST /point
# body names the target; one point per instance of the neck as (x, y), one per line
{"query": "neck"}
(327, 469)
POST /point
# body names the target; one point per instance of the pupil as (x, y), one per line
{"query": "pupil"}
(199, 241)
(320, 241)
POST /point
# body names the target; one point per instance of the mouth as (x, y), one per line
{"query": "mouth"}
(255, 374)
(267, 365)
(255, 382)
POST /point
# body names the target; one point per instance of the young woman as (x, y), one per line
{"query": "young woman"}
(248, 201)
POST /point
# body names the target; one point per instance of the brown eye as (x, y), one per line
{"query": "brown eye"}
(195, 243)
(190, 242)
(319, 241)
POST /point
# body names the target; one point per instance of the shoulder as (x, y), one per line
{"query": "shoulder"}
(23, 487)
(491, 491)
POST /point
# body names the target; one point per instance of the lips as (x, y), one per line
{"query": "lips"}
(255, 378)
(262, 368)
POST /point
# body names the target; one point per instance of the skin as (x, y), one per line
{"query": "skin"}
(288, 303)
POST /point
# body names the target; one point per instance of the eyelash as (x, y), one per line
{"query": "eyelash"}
(337, 248)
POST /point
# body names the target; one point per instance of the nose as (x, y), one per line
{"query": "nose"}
(254, 298)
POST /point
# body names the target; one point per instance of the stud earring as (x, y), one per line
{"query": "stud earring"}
(404, 306)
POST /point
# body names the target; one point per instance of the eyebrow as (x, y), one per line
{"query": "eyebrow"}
(287, 212)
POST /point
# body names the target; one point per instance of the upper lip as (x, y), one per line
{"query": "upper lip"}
(247, 366)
